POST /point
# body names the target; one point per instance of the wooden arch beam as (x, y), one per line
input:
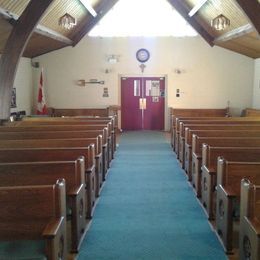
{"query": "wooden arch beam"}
(102, 8)
(182, 10)
(252, 11)
(14, 48)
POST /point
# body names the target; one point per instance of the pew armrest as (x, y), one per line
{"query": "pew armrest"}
(97, 156)
(52, 228)
(197, 156)
(75, 191)
(229, 192)
(56, 241)
(255, 224)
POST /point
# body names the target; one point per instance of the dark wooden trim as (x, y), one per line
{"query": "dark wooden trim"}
(182, 10)
(196, 8)
(238, 32)
(102, 8)
(14, 48)
(40, 29)
(251, 8)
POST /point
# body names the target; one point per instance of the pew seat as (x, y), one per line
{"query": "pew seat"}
(33, 213)
(44, 173)
(229, 178)
(210, 155)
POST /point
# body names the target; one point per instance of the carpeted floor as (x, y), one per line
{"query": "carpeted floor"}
(147, 210)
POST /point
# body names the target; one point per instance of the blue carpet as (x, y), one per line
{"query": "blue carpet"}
(147, 210)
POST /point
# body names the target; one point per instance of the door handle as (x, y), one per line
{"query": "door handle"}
(142, 103)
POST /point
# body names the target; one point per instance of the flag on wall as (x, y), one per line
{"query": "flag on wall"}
(41, 105)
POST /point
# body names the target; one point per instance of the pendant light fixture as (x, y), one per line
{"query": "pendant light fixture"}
(220, 22)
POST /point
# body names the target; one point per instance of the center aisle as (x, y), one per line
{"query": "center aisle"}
(147, 210)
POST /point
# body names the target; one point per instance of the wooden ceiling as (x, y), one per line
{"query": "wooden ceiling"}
(242, 36)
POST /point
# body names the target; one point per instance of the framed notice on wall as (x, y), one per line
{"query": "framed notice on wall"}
(13, 98)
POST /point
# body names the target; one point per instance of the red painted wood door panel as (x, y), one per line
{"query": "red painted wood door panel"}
(142, 103)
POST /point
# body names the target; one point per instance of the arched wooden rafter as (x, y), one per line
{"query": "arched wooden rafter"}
(14, 48)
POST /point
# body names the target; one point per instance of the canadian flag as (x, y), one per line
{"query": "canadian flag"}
(41, 105)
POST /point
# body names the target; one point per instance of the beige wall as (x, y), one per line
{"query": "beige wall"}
(23, 84)
(256, 95)
(209, 78)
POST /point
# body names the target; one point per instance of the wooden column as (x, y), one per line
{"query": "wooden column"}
(14, 48)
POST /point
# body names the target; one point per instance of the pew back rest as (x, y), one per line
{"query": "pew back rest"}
(210, 155)
(230, 173)
(34, 143)
(180, 127)
(54, 128)
(223, 142)
(27, 210)
(246, 130)
(79, 112)
(43, 173)
(100, 134)
(47, 154)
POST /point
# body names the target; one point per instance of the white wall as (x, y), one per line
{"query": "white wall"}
(23, 84)
(256, 96)
(210, 76)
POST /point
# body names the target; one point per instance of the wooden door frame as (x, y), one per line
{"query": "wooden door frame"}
(165, 76)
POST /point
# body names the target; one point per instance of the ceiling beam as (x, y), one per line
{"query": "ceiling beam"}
(89, 7)
(182, 10)
(197, 7)
(14, 48)
(40, 29)
(238, 32)
(102, 8)
(252, 11)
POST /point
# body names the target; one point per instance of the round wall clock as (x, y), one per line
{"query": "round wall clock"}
(142, 55)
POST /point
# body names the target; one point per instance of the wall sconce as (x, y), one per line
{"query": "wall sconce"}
(220, 22)
(179, 71)
(67, 21)
(112, 59)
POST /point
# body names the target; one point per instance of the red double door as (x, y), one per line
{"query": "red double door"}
(142, 103)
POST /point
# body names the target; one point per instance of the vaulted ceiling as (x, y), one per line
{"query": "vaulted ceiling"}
(242, 36)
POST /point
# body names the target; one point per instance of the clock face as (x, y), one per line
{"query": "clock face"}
(142, 55)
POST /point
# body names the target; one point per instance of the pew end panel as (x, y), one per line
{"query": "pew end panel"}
(224, 212)
(196, 173)
(249, 237)
(208, 181)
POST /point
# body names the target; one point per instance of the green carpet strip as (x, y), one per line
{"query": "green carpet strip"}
(147, 210)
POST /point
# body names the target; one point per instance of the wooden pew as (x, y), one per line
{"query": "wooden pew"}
(100, 134)
(27, 121)
(45, 173)
(68, 142)
(88, 120)
(57, 154)
(209, 169)
(72, 128)
(229, 176)
(249, 235)
(34, 213)
(211, 131)
(251, 112)
(197, 143)
(79, 112)
(192, 113)
(186, 140)
(180, 132)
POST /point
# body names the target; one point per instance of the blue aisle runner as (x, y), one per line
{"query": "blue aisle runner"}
(147, 210)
